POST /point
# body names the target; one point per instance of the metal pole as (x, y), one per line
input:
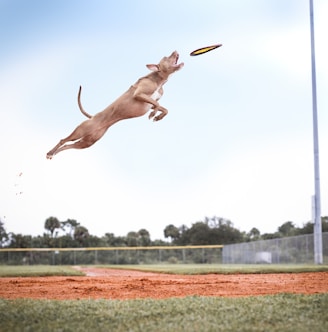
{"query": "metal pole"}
(318, 259)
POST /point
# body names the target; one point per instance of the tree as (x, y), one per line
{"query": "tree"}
(51, 224)
(307, 228)
(114, 241)
(132, 239)
(225, 233)
(144, 237)
(183, 238)
(199, 234)
(3, 234)
(287, 229)
(70, 225)
(172, 232)
(216, 222)
(254, 234)
(20, 241)
(81, 233)
(270, 236)
(324, 221)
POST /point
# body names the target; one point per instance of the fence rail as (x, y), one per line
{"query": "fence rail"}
(113, 248)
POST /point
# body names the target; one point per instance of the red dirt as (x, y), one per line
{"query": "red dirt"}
(125, 284)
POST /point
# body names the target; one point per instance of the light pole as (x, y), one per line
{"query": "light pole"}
(318, 259)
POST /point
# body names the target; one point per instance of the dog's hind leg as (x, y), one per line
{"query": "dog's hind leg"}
(84, 136)
(77, 134)
(58, 147)
(80, 144)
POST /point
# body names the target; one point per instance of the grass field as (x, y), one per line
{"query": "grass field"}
(221, 268)
(51, 270)
(283, 312)
(37, 271)
(264, 313)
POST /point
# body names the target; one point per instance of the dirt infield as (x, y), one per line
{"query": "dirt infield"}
(124, 284)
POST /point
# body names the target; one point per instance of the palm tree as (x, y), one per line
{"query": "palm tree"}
(172, 232)
(51, 224)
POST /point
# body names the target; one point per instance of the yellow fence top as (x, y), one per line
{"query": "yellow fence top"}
(214, 246)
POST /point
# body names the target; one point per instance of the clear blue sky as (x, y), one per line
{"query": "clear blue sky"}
(237, 142)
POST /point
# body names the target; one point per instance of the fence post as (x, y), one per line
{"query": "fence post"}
(160, 255)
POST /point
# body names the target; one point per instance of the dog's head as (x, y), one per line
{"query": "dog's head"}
(168, 65)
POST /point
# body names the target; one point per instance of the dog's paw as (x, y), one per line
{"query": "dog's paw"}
(49, 156)
(157, 118)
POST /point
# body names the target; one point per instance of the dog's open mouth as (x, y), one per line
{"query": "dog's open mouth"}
(176, 59)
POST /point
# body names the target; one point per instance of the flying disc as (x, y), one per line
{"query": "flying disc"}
(204, 49)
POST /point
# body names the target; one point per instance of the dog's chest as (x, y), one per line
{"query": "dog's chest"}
(157, 94)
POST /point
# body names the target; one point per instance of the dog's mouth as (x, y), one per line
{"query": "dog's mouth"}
(175, 59)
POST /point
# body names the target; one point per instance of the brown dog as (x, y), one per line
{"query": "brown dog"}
(137, 101)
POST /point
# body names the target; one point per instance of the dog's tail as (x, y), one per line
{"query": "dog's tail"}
(80, 105)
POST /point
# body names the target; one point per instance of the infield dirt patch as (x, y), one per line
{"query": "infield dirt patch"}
(126, 284)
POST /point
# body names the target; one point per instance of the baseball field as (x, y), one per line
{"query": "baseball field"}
(164, 298)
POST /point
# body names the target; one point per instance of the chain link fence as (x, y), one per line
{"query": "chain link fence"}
(287, 250)
(112, 255)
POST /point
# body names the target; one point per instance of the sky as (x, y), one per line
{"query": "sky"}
(237, 142)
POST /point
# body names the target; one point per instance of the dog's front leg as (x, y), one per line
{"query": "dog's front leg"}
(160, 116)
(156, 106)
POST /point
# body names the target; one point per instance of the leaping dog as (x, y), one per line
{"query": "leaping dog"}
(136, 101)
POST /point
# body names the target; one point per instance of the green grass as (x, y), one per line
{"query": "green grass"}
(60, 270)
(220, 268)
(37, 271)
(282, 312)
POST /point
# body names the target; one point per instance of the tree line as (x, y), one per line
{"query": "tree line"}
(215, 230)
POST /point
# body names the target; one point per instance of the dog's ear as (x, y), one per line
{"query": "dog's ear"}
(153, 67)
